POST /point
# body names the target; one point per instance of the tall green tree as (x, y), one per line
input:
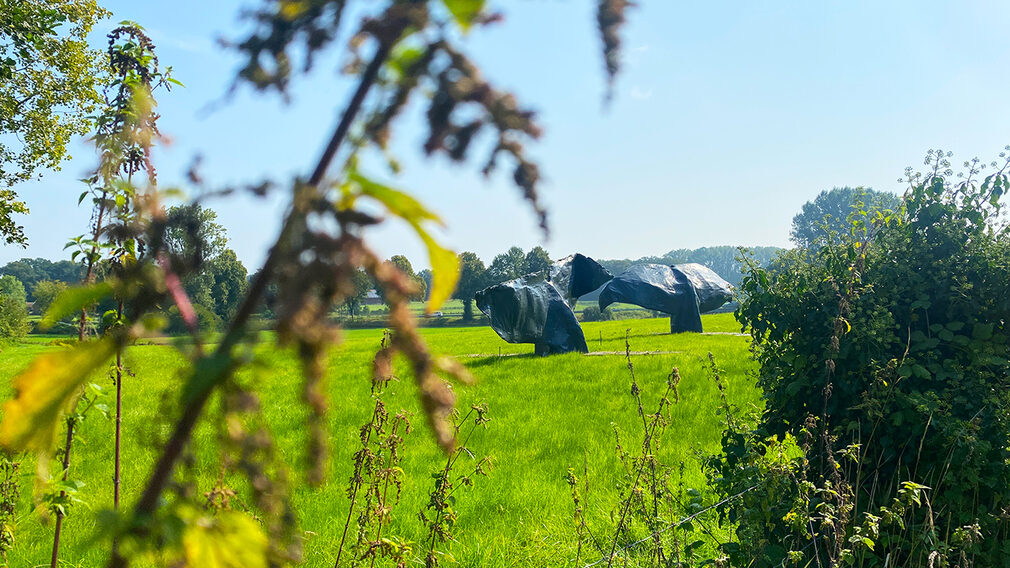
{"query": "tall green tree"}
(827, 216)
(362, 285)
(194, 232)
(13, 288)
(507, 266)
(472, 277)
(49, 86)
(536, 260)
(426, 275)
(403, 264)
(44, 292)
(13, 309)
(219, 280)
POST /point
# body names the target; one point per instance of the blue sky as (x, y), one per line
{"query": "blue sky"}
(728, 116)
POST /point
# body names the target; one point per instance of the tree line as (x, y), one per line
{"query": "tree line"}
(221, 279)
(215, 286)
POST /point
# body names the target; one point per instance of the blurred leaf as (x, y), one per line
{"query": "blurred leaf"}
(464, 11)
(72, 300)
(47, 389)
(444, 262)
(226, 540)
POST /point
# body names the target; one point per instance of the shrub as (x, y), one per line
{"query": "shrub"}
(594, 313)
(206, 318)
(13, 318)
(887, 358)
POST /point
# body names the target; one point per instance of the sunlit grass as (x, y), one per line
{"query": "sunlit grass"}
(548, 414)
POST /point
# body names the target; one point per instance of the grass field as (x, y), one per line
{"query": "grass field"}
(547, 414)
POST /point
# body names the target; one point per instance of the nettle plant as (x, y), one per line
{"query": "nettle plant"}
(400, 49)
(885, 366)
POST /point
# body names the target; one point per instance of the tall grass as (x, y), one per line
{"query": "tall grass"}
(548, 414)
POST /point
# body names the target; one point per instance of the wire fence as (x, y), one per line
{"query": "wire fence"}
(672, 525)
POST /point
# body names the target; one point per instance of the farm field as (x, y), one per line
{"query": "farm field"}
(547, 414)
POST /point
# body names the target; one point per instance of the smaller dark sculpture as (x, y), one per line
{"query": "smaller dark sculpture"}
(532, 310)
(577, 275)
(684, 291)
(712, 290)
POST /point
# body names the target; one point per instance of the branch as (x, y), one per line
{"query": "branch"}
(148, 501)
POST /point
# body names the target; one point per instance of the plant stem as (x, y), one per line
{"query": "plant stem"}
(80, 337)
(354, 490)
(66, 471)
(385, 493)
(119, 423)
(194, 408)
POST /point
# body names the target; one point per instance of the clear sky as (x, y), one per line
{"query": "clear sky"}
(728, 116)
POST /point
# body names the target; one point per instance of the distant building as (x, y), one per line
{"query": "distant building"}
(372, 298)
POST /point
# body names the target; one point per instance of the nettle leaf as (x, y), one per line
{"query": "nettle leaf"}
(72, 300)
(444, 262)
(229, 539)
(465, 11)
(47, 389)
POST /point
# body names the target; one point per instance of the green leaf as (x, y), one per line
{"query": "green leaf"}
(444, 262)
(72, 300)
(464, 11)
(227, 540)
(45, 390)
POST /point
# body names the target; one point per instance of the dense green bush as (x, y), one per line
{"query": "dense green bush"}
(206, 318)
(885, 361)
(594, 313)
(13, 318)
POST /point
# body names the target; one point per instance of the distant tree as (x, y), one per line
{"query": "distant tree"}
(13, 309)
(507, 266)
(49, 87)
(403, 264)
(536, 260)
(828, 213)
(32, 270)
(220, 280)
(472, 277)
(11, 287)
(44, 292)
(230, 283)
(194, 228)
(594, 313)
(362, 285)
(425, 276)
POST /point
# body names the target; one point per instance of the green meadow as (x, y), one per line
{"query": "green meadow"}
(547, 414)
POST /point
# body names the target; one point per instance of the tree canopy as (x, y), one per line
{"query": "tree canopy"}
(471, 279)
(826, 217)
(49, 86)
(31, 271)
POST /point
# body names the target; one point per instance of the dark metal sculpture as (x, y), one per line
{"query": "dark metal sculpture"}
(577, 275)
(712, 290)
(532, 310)
(537, 308)
(684, 291)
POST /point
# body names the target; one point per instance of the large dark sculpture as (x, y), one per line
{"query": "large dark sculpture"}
(577, 275)
(531, 310)
(684, 291)
(537, 308)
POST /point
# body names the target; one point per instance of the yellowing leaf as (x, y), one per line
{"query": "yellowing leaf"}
(444, 270)
(464, 11)
(72, 300)
(444, 262)
(399, 203)
(47, 389)
(226, 540)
